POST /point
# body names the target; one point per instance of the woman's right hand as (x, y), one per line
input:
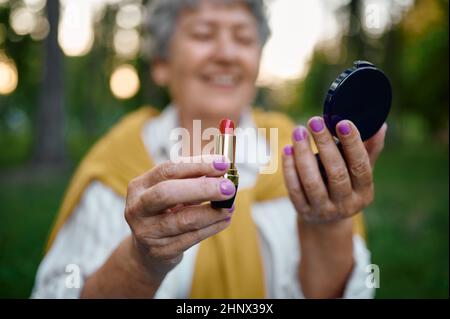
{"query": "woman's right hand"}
(165, 214)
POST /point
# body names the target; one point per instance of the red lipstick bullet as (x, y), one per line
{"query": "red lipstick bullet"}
(226, 146)
(226, 126)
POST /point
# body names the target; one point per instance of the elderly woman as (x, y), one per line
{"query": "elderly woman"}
(134, 224)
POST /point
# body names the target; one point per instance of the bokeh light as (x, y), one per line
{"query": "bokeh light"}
(41, 29)
(76, 34)
(124, 82)
(129, 16)
(376, 18)
(296, 28)
(8, 75)
(22, 20)
(127, 42)
(35, 5)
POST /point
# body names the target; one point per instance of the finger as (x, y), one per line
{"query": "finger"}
(185, 220)
(308, 169)
(169, 193)
(292, 181)
(204, 165)
(375, 144)
(180, 206)
(338, 178)
(356, 155)
(183, 242)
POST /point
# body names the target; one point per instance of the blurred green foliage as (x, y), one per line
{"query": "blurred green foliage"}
(414, 54)
(408, 222)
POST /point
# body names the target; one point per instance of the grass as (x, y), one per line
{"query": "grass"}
(407, 224)
(27, 212)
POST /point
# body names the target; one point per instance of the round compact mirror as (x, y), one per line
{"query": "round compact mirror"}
(361, 94)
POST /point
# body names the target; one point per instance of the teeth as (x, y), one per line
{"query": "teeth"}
(225, 80)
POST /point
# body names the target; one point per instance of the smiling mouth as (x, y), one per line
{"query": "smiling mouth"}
(224, 81)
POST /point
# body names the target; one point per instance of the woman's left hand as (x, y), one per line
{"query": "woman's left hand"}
(349, 187)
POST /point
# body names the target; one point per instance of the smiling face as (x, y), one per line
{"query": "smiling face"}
(213, 60)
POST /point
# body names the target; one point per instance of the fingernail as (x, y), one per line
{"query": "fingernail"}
(299, 134)
(227, 187)
(344, 128)
(316, 124)
(228, 219)
(221, 164)
(288, 150)
(231, 210)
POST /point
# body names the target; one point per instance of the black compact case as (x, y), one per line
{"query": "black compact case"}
(361, 94)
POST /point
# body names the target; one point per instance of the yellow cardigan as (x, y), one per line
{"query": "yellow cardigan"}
(229, 264)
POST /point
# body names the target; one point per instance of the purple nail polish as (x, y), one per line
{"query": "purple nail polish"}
(221, 165)
(231, 210)
(228, 219)
(288, 150)
(316, 124)
(227, 187)
(299, 134)
(344, 128)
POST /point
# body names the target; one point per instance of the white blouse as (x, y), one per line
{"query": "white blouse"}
(97, 226)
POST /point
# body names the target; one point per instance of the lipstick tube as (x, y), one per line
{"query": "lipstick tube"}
(226, 146)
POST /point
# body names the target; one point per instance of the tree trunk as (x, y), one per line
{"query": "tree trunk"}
(49, 147)
(356, 40)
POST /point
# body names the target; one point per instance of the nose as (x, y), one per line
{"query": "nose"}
(225, 49)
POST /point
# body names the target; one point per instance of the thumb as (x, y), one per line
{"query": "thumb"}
(375, 144)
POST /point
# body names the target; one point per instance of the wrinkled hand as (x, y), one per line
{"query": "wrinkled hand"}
(349, 188)
(165, 214)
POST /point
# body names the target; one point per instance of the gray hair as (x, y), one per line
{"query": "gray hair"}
(163, 14)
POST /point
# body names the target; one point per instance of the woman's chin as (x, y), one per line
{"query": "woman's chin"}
(222, 110)
(223, 105)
